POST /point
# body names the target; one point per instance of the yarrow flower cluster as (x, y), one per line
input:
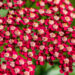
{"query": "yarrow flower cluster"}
(42, 33)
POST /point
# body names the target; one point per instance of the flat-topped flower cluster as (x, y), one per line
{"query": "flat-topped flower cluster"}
(43, 33)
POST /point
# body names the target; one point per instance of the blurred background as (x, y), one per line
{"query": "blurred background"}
(50, 70)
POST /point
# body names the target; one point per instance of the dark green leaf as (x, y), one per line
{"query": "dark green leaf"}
(73, 2)
(29, 50)
(34, 61)
(5, 44)
(67, 43)
(28, 3)
(22, 56)
(37, 51)
(34, 6)
(17, 49)
(73, 23)
(1, 48)
(4, 1)
(40, 42)
(5, 28)
(12, 1)
(49, 43)
(46, 6)
(44, 17)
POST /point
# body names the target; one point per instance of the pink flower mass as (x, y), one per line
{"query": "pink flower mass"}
(42, 33)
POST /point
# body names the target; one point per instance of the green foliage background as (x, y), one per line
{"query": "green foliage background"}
(45, 69)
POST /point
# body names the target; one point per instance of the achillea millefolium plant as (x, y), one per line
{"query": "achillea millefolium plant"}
(33, 32)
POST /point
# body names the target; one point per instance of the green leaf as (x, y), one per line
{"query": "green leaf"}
(28, 3)
(18, 39)
(37, 51)
(66, 54)
(4, 1)
(32, 34)
(1, 48)
(46, 25)
(40, 42)
(73, 23)
(48, 66)
(22, 56)
(49, 43)
(5, 44)
(33, 61)
(56, 32)
(70, 35)
(67, 43)
(5, 28)
(21, 26)
(44, 17)
(46, 6)
(56, 62)
(34, 6)
(57, 12)
(17, 49)
(29, 50)
(73, 2)
(2, 60)
(3, 12)
(12, 1)
(38, 70)
(33, 30)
